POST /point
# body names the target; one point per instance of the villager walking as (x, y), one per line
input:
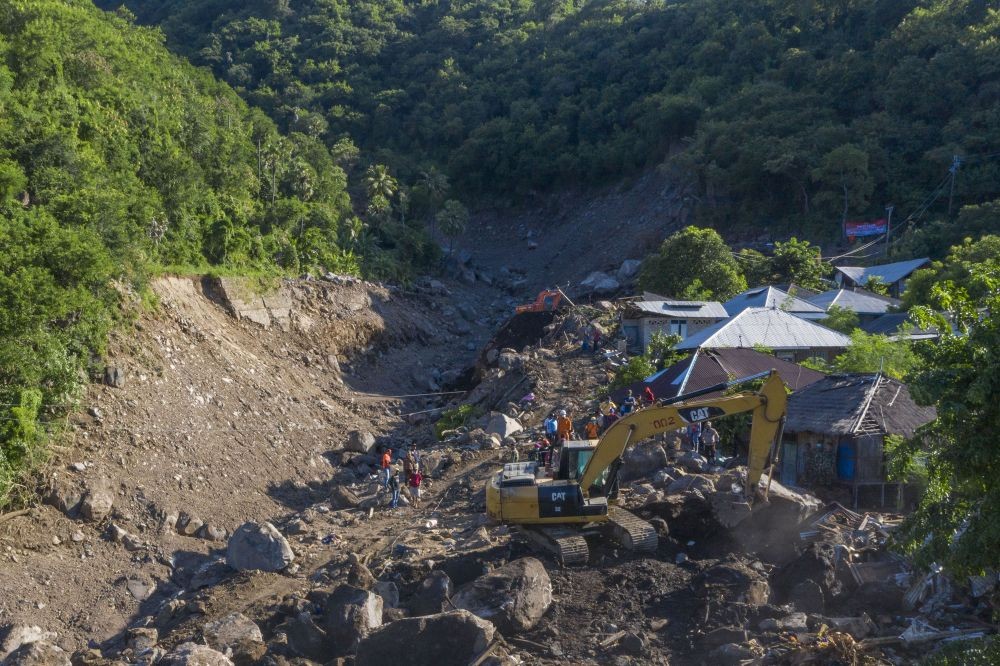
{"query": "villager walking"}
(393, 486)
(710, 438)
(415, 480)
(386, 465)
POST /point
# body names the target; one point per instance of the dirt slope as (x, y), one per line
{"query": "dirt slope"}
(224, 421)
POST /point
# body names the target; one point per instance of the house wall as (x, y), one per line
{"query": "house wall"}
(645, 327)
(818, 454)
(799, 355)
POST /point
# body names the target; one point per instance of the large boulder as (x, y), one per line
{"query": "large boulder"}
(359, 441)
(503, 425)
(433, 594)
(258, 546)
(817, 563)
(342, 497)
(692, 482)
(693, 462)
(305, 638)
(38, 653)
(192, 654)
(226, 633)
(513, 597)
(642, 461)
(628, 270)
(600, 283)
(98, 501)
(351, 614)
(454, 638)
(13, 636)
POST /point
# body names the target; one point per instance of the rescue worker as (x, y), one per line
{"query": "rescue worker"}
(564, 428)
(386, 465)
(591, 429)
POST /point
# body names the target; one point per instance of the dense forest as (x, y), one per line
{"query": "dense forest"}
(789, 114)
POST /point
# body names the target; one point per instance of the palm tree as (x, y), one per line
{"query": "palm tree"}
(379, 182)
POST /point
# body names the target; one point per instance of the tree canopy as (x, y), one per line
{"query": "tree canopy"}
(956, 523)
(693, 263)
(780, 114)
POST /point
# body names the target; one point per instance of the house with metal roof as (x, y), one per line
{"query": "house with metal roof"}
(708, 367)
(899, 326)
(642, 318)
(789, 337)
(894, 275)
(866, 304)
(836, 427)
(772, 297)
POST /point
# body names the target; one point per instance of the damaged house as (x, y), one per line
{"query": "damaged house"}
(836, 430)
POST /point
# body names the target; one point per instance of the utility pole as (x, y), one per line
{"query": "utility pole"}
(888, 227)
(956, 162)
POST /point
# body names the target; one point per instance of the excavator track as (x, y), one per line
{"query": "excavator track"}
(632, 532)
(567, 544)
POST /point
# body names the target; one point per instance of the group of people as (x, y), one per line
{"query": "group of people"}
(412, 474)
(608, 412)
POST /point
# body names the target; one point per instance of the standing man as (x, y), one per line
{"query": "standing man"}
(386, 465)
(710, 438)
(629, 403)
(610, 418)
(650, 398)
(564, 427)
(591, 428)
(393, 485)
(550, 427)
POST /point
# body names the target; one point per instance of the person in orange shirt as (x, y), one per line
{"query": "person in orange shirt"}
(591, 428)
(564, 427)
(386, 464)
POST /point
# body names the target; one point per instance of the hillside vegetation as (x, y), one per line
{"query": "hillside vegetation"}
(777, 112)
(118, 159)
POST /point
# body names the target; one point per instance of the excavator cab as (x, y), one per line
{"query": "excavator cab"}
(573, 459)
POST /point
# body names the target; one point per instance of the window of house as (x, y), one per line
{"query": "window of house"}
(679, 327)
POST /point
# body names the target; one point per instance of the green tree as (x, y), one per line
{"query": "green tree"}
(844, 176)
(872, 353)
(956, 267)
(693, 257)
(841, 319)
(876, 285)
(756, 267)
(380, 184)
(956, 523)
(798, 262)
(637, 369)
(452, 219)
(660, 349)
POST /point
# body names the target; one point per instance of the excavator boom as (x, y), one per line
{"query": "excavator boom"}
(768, 407)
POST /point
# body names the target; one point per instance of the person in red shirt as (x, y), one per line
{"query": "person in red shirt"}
(415, 480)
(648, 394)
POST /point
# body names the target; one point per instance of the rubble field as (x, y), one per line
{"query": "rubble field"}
(217, 503)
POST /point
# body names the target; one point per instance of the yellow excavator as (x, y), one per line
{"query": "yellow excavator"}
(551, 511)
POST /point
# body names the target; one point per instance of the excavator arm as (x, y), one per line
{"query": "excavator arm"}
(768, 406)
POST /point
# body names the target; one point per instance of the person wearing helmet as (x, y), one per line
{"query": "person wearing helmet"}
(564, 428)
(591, 428)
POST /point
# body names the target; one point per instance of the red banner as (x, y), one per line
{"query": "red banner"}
(871, 228)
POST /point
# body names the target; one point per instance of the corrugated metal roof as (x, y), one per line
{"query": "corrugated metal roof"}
(889, 273)
(682, 309)
(769, 327)
(707, 367)
(770, 297)
(860, 301)
(840, 405)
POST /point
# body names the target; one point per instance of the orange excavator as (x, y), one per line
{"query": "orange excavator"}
(546, 300)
